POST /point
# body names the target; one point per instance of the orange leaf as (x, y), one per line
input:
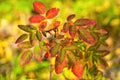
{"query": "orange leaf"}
(56, 23)
(78, 69)
(59, 66)
(51, 13)
(42, 25)
(39, 7)
(38, 57)
(36, 19)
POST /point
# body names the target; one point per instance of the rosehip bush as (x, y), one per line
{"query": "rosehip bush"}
(76, 46)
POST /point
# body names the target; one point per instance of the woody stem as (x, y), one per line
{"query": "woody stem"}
(50, 77)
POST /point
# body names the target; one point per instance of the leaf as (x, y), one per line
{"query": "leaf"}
(72, 31)
(103, 31)
(71, 58)
(47, 55)
(25, 44)
(25, 28)
(50, 27)
(84, 22)
(78, 69)
(103, 62)
(62, 54)
(59, 66)
(51, 13)
(38, 35)
(21, 38)
(32, 27)
(102, 53)
(37, 53)
(42, 45)
(71, 47)
(54, 50)
(87, 55)
(37, 49)
(102, 39)
(65, 41)
(59, 36)
(32, 38)
(56, 23)
(36, 18)
(85, 36)
(96, 36)
(39, 7)
(91, 48)
(42, 25)
(92, 69)
(44, 33)
(65, 27)
(70, 17)
(26, 57)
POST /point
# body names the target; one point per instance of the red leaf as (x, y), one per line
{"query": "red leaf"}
(39, 7)
(84, 22)
(72, 31)
(42, 25)
(65, 27)
(85, 36)
(103, 31)
(51, 13)
(70, 17)
(36, 19)
(47, 55)
(78, 69)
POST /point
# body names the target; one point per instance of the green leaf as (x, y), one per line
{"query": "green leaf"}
(37, 53)
(42, 45)
(72, 47)
(38, 35)
(25, 28)
(103, 53)
(25, 44)
(55, 49)
(71, 58)
(26, 57)
(87, 54)
(21, 38)
(91, 48)
(32, 38)
(62, 54)
(37, 49)
(44, 33)
(92, 69)
(32, 27)
(103, 62)
(102, 39)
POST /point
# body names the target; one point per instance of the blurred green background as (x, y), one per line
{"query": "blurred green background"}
(14, 12)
